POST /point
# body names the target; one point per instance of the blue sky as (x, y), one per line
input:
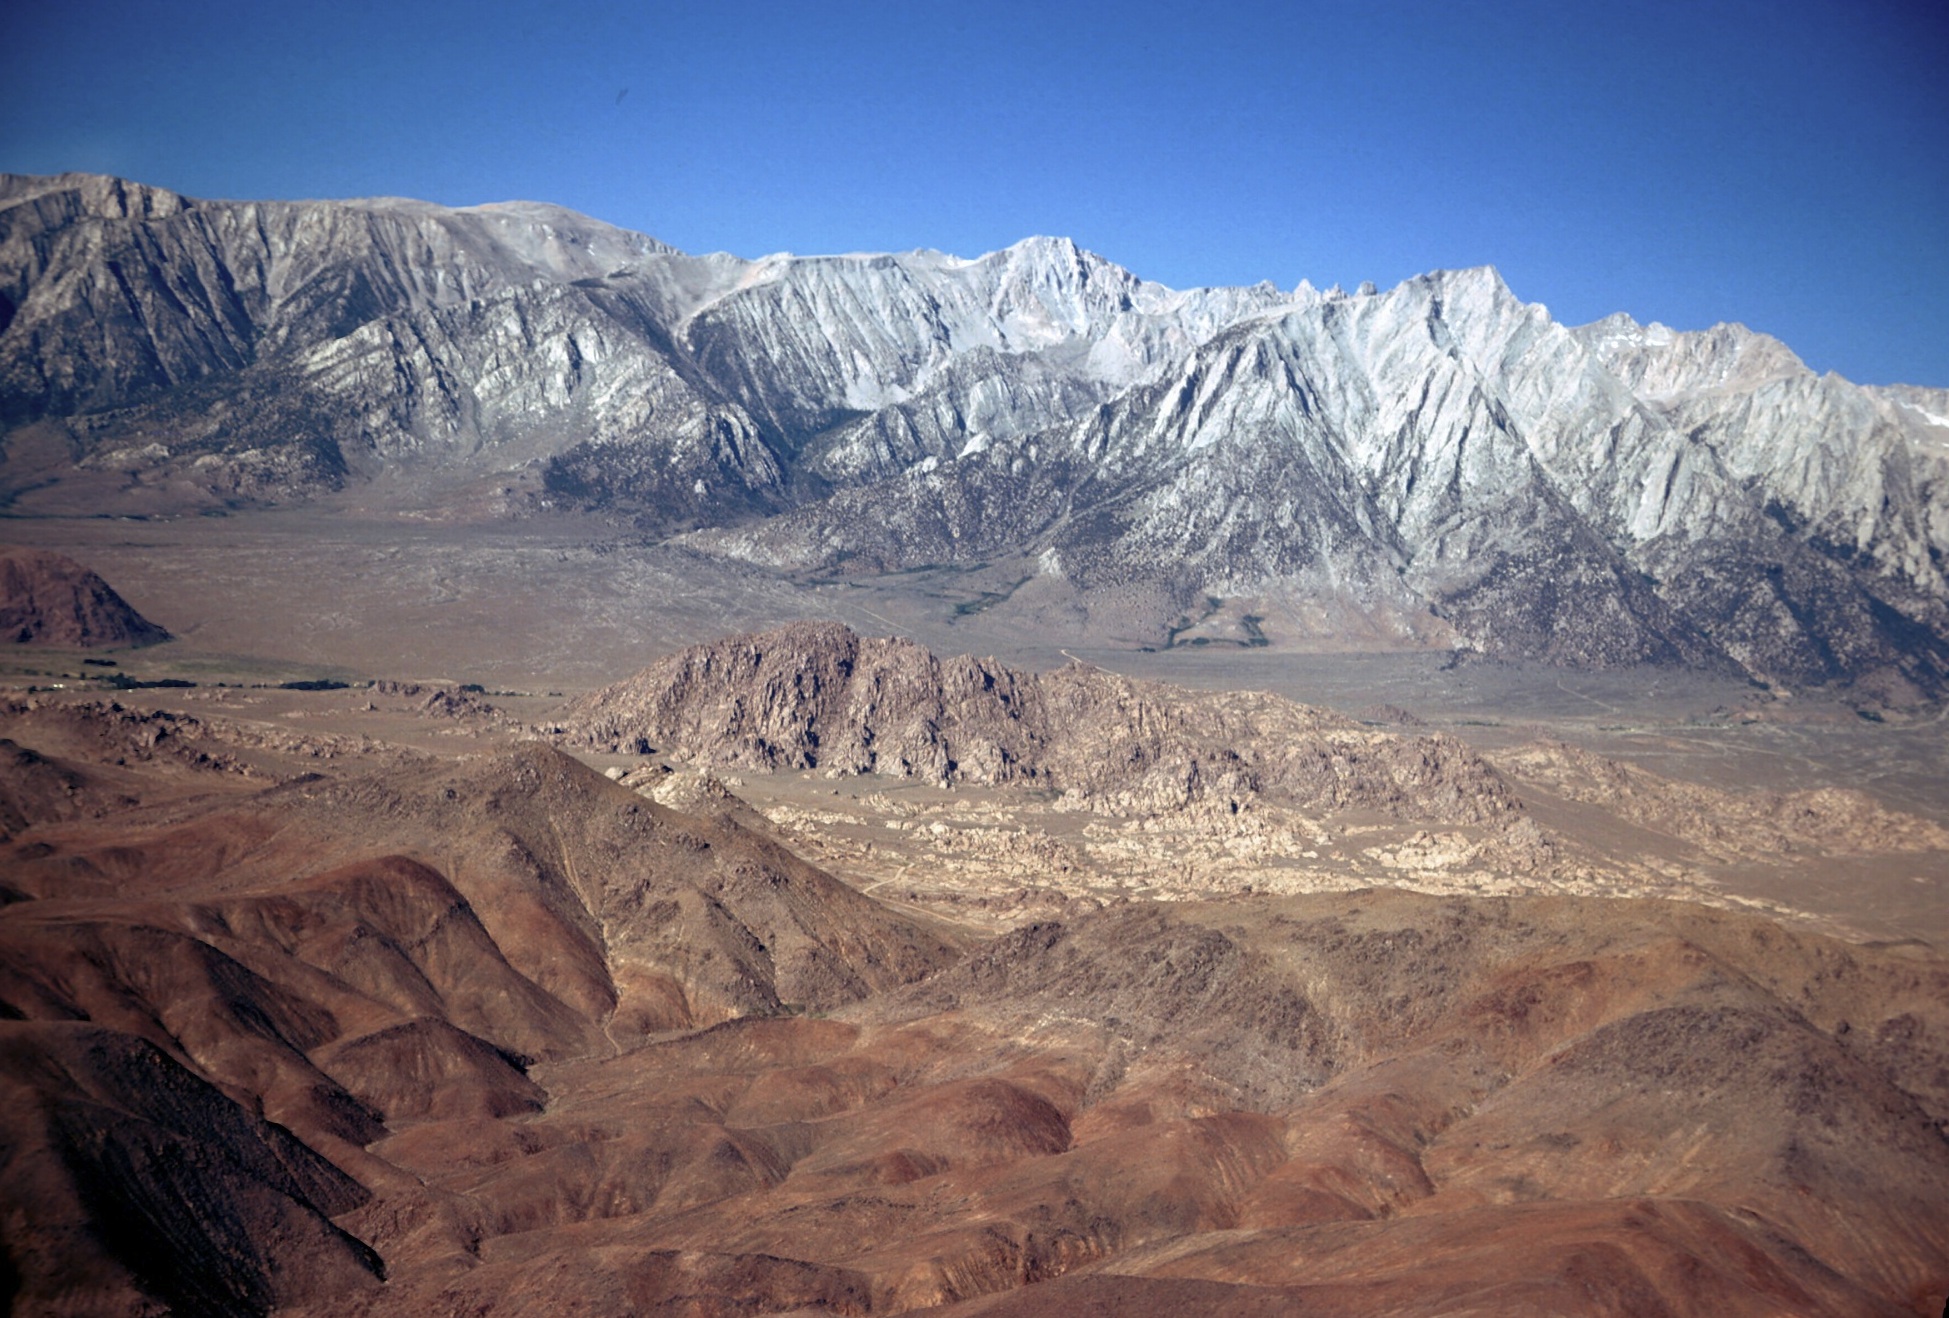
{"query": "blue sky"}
(1783, 164)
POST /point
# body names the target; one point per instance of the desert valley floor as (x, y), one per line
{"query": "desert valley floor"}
(554, 953)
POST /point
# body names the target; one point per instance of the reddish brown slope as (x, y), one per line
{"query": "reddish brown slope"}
(244, 941)
(1387, 1104)
(49, 599)
(548, 1048)
(125, 1180)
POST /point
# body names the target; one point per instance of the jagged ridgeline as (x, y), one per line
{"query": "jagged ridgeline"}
(1440, 453)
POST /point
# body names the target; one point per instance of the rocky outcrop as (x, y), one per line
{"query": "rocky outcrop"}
(49, 599)
(817, 695)
(133, 1184)
(1763, 826)
(36, 788)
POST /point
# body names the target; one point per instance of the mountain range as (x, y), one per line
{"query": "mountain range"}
(1438, 463)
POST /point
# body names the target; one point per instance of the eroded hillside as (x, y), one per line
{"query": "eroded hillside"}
(299, 1018)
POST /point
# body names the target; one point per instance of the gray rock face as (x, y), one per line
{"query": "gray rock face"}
(1598, 496)
(262, 351)
(1615, 493)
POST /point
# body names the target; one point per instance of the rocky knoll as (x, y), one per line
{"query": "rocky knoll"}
(818, 695)
(49, 599)
(1764, 826)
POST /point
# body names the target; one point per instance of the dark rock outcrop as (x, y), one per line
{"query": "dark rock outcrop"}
(133, 1180)
(817, 695)
(49, 599)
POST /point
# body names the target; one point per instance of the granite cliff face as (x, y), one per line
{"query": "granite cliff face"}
(1447, 446)
(1442, 454)
(266, 350)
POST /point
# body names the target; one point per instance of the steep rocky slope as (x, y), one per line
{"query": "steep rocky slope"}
(265, 350)
(1437, 459)
(133, 1182)
(274, 980)
(1444, 445)
(49, 599)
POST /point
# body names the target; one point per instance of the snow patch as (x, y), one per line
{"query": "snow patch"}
(1933, 418)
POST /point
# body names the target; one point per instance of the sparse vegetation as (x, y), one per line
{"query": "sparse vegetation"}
(123, 682)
